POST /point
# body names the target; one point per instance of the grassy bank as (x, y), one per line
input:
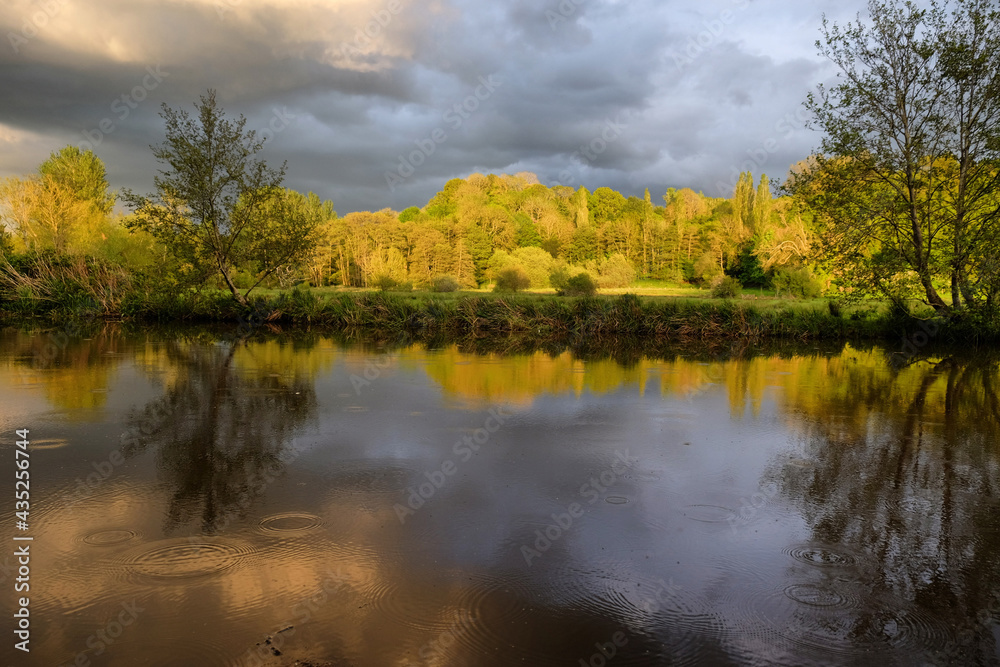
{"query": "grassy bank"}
(490, 314)
(74, 288)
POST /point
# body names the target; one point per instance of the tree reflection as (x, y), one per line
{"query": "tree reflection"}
(74, 373)
(905, 471)
(223, 430)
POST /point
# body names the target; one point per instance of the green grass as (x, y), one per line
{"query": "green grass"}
(661, 312)
(484, 313)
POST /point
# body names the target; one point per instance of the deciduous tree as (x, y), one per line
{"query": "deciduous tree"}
(907, 177)
(216, 204)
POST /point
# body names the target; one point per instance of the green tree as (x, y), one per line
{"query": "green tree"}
(743, 202)
(760, 214)
(216, 205)
(46, 213)
(64, 207)
(748, 270)
(480, 249)
(907, 180)
(527, 233)
(409, 214)
(584, 245)
(536, 264)
(83, 174)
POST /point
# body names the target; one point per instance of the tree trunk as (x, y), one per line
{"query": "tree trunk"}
(240, 299)
(956, 295)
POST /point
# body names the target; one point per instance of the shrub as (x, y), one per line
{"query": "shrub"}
(797, 282)
(835, 308)
(727, 287)
(579, 285)
(512, 279)
(703, 270)
(616, 271)
(444, 284)
(384, 282)
(559, 276)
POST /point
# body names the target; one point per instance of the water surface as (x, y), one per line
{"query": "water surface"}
(203, 501)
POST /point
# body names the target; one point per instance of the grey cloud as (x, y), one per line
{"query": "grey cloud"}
(356, 110)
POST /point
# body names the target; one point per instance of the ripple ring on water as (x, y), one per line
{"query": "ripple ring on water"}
(822, 555)
(710, 513)
(185, 558)
(289, 523)
(110, 538)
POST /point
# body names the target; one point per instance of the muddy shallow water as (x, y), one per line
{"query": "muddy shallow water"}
(200, 502)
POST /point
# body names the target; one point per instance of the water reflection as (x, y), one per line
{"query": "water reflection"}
(900, 474)
(789, 506)
(224, 427)
(74, 373)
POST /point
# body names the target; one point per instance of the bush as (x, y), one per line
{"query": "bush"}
(579, 285)
(512, 279)
(559, 276)
(797, 282)
(727, 287)
(616, 271)
(835, 308)
(444, 284)
(384, 282)
(703, 270)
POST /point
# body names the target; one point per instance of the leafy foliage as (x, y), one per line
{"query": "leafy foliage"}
(217, 206)
(445, 284)
(748, 270)
(579, 285)
(727, 287)
(907, 181)
(798, 282)
(512, 279)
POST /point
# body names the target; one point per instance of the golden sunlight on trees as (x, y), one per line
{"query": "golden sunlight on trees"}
(65, 207)
(217, 207)
(906, 184)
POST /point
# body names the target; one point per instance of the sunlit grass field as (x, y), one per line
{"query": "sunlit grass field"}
(760, 299)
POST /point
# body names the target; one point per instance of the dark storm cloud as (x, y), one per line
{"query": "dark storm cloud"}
(583, 92)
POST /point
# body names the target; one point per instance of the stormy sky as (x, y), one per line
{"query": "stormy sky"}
(377, 103)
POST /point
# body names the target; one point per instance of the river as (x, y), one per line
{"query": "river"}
(201, 500)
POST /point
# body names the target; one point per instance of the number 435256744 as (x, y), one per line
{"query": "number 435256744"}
(22, 475)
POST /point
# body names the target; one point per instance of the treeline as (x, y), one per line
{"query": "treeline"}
(477, 226)
(469, 232)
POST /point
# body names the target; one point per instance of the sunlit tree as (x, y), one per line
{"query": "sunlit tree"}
(216, 205)
(907, 175)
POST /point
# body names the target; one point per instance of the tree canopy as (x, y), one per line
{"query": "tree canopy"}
(906, 181)
(217, 207)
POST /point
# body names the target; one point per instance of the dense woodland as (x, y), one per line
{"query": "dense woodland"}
(470, 230)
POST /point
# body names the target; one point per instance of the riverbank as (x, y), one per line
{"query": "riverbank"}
(540, 315)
